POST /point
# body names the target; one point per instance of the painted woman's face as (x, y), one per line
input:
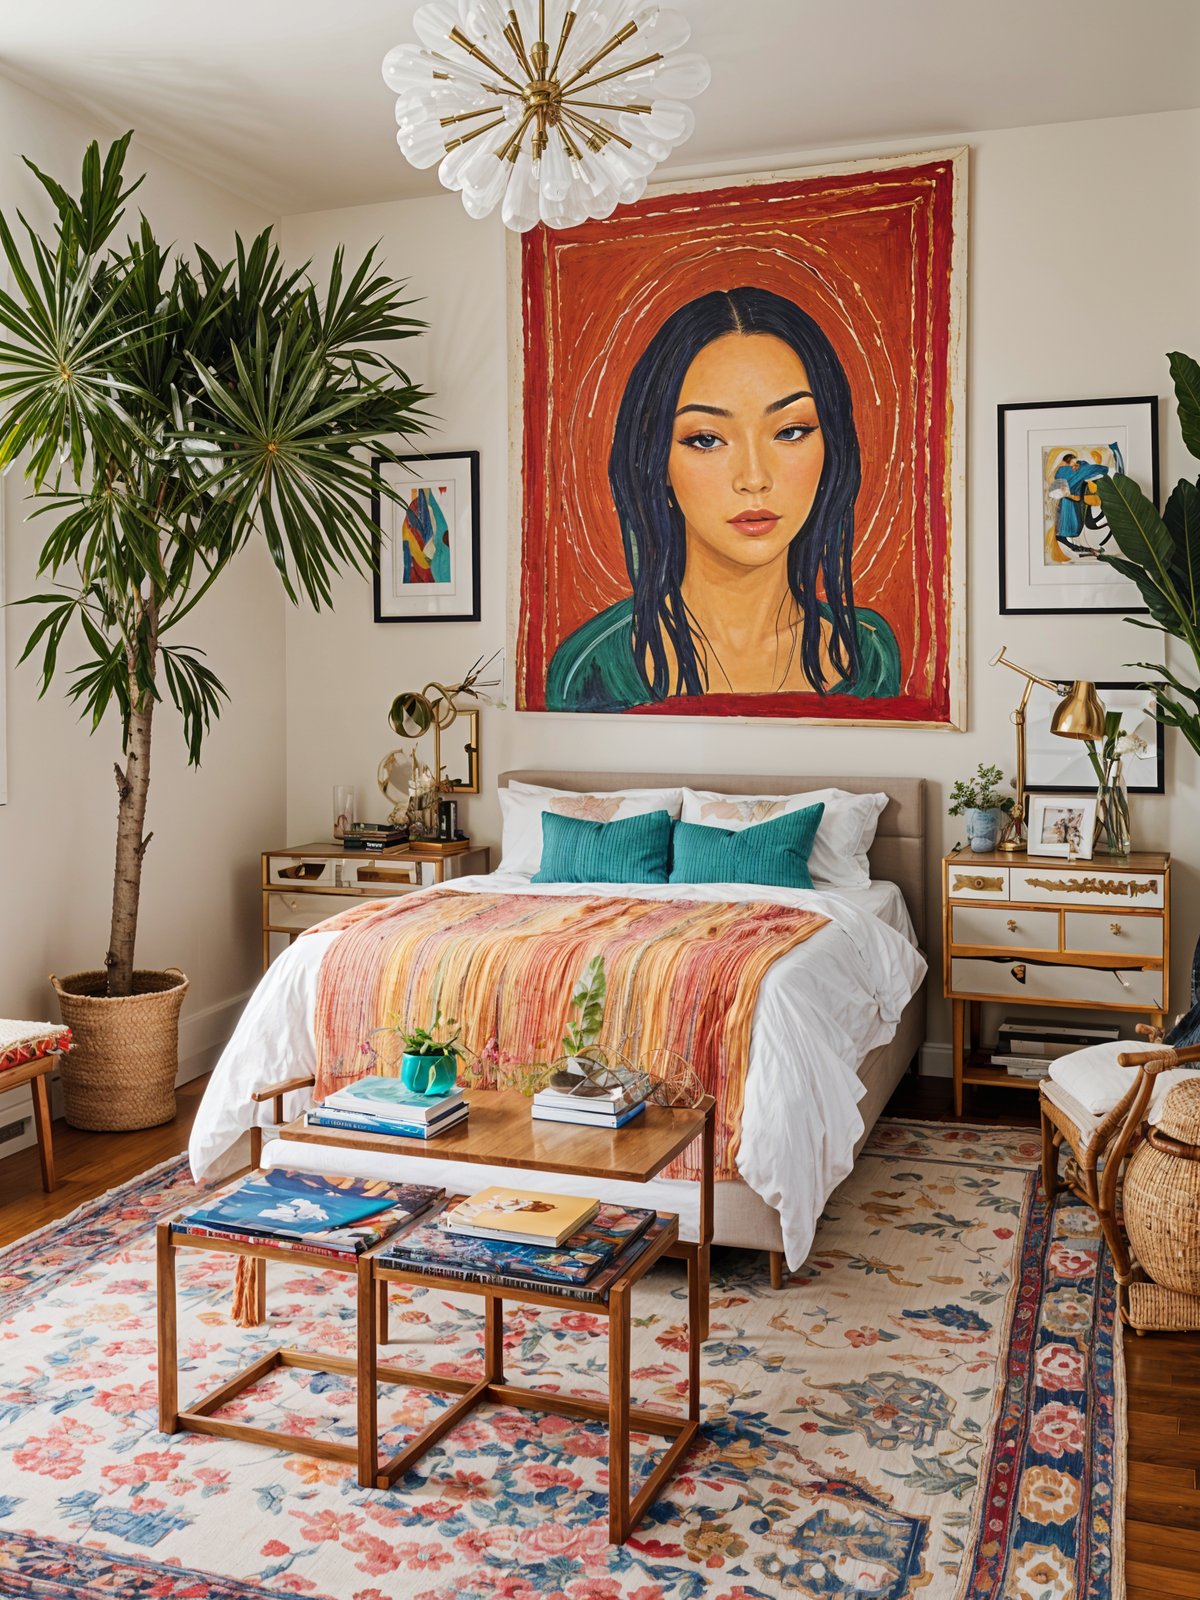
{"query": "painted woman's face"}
(747, 448)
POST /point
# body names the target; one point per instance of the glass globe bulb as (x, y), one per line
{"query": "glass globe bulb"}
(406, 67)
(433, 21)
(643, 137)
(424, 145)
(483, 190)
(473, 155)
(555, 176)
(679, 77)
(520, 208)
(661, 30)
(670, 120)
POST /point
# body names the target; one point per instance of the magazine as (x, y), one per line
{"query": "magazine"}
(429, 1246)
(595, 1289)
(528, 1216)
(308, 1207)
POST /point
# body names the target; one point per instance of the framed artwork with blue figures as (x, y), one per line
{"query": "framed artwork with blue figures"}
(426, 557)
(1051, 456)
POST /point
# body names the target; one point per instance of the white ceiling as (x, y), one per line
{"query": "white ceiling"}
(282, 100)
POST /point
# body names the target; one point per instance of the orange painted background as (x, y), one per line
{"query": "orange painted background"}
(868, 255)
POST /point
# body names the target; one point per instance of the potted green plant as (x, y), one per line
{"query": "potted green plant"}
(1160, 553)
(429, 1064)
(169, 411)
(980, 803)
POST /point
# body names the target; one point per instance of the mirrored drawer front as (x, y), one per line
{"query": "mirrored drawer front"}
(989, 883)
(304, 910)
(1107, 932)
(1028, 981)
(998, 928)
(1091, 886)
(380, 877)
(318, 873)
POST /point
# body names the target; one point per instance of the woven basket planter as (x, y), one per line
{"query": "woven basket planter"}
(1162, 1204)
(121, 1073)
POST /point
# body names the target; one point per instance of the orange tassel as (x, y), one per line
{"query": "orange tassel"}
(249, 1292)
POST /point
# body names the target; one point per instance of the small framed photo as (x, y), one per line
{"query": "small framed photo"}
(427, 540)
(1052, 526)
(1062, 825)
(1061, 766)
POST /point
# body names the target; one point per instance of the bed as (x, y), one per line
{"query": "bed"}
(838, 1022)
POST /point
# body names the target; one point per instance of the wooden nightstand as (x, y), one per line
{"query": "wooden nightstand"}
(1038, 931)
(306, 883)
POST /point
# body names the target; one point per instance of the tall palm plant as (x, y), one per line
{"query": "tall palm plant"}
(171, 410)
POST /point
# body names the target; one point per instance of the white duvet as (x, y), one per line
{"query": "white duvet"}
(821, 1009)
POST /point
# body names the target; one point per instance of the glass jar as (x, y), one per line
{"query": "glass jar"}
(1112, 811)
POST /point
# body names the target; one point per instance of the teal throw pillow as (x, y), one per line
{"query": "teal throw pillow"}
(631, 850)
(771, 853)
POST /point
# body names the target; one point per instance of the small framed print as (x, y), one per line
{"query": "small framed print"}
(1052, 525)
(1062, 825)
(1061, 766)
(427, 540)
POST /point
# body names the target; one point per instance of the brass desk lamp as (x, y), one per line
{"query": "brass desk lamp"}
(1079, 715)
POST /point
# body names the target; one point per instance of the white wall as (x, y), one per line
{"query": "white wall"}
(1062, 305)
(199, 907)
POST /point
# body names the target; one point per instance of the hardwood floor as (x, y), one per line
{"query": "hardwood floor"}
(1163, 1527)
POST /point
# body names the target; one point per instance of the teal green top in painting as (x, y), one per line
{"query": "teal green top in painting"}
(594, 668)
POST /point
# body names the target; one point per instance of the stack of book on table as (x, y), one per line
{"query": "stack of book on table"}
(324, 1216)
(570, 1097)
(384, 1106)
(1027, 1049)
(374, 836)
(524, 1239)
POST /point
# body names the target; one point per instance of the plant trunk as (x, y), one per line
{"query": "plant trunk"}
(133, 785)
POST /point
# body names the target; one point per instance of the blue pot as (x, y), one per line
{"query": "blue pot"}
(431, 1075)
(983, 828)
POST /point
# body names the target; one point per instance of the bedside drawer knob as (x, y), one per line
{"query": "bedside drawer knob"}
(1116, 927)
(1012, 924)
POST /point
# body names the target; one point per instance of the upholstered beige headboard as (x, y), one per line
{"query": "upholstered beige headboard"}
(898, 854)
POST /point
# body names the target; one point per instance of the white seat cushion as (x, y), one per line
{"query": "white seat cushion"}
(1093, 1078)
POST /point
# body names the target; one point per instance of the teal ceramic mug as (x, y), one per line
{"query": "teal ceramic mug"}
(431, 1075)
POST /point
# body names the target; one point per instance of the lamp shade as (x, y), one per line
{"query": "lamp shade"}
(1081, 714)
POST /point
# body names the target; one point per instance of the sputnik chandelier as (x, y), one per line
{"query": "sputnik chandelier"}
(555, 110)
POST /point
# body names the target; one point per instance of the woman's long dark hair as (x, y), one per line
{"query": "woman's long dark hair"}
(652, 524)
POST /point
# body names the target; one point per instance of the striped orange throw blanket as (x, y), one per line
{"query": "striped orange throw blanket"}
(681, 976)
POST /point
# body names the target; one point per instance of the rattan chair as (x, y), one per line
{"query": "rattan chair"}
(1098, 1146)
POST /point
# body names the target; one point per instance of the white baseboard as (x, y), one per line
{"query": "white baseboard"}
(936, 1061)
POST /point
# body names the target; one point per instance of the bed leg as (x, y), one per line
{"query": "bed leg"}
(776, 1259)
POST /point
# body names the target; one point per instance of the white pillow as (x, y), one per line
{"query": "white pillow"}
(1093, 1077)
(522, 805)
(847, 831)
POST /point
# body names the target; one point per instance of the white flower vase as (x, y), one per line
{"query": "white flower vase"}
(983, 828)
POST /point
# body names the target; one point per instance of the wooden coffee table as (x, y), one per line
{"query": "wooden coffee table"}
(501, 1132)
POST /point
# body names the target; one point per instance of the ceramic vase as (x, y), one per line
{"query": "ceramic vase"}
(983, 828)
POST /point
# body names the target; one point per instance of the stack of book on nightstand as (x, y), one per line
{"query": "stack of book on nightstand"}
(525, 1239)
(1026, 1049)
(374, 836)
(383, 1105)
(322, 1216)
(570, 1097)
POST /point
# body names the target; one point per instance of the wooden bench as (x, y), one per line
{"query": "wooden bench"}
(29, 1053)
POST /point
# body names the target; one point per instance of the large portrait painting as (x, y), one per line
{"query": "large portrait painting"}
(741, 442)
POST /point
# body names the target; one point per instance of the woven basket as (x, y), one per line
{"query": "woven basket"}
(1162, 1194)
(121, 1073)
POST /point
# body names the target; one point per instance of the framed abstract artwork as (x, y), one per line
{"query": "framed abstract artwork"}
(426, 558)
(1050, 456)
(740, 408)
(1061, 766)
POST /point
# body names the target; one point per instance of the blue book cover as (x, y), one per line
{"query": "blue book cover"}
(300, 1205)
(582, 1255)
(378, 1096)
(580, 1119)
(316, 1118)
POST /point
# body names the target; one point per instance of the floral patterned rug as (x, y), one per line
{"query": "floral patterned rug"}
(933, 1407)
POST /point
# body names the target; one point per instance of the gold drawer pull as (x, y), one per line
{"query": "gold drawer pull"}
(979, 884)
(1019, 972)
(1116, 927)
(1131, 887)
(1012, 924)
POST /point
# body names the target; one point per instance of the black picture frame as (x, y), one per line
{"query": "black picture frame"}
(1150, 401)
(425, 465)
(1160, 747)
